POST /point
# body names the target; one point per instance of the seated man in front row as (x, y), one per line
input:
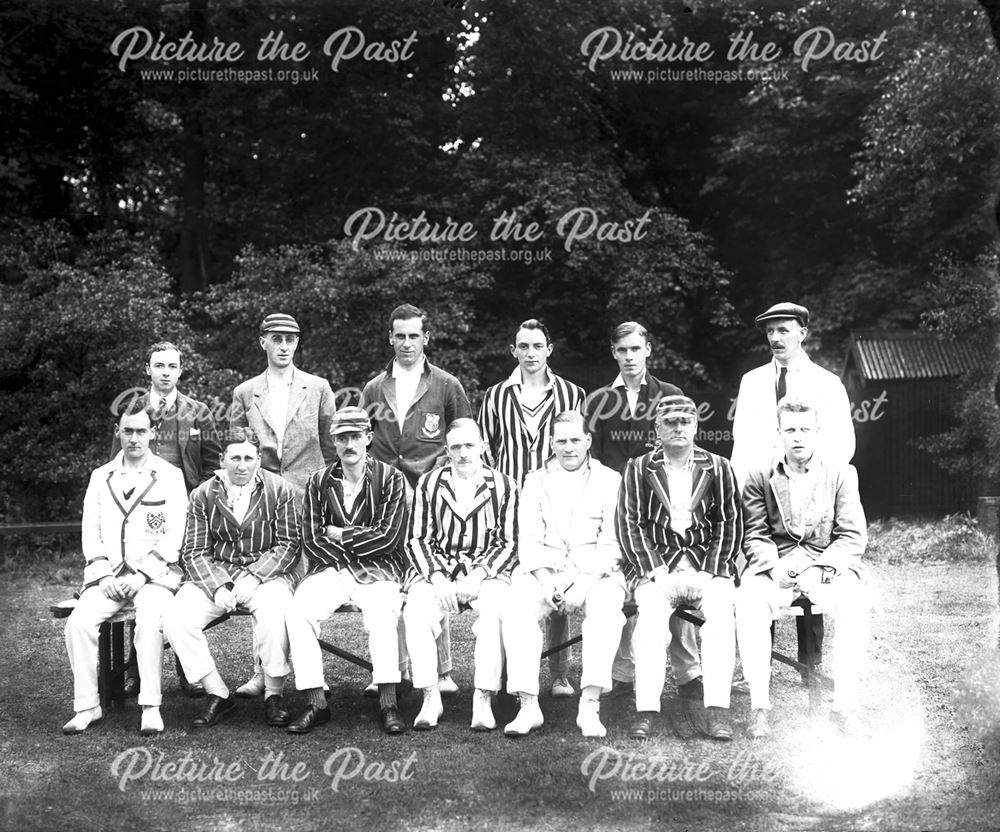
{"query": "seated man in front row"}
(805, 535)
(568, 558)
(133, 523)
(680, 527)
(461, 544)
(241, 543)
(353, 522)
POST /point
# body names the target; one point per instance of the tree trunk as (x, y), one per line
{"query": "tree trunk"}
(193, 242)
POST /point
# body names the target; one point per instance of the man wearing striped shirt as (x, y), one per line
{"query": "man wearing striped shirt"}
(353, 522)
(241, 542)
(516, 422)
(680, 526)
(461, 542)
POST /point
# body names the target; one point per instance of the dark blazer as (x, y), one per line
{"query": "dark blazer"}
(197, 436)
(643, 520)
(617, 436)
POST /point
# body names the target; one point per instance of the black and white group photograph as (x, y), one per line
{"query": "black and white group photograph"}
(444, 415)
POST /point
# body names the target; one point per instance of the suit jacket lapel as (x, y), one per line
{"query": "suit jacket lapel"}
(702, 475)
(783, 498)
(389, 393)
(296, 395)
(260, 396)
(656, 476)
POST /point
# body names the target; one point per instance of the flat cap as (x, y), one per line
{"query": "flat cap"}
(349, 420)
(783, 310)
(670, 407)
(279, 322)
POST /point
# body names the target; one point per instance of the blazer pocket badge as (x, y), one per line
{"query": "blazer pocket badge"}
(155, 521)
(432, 424)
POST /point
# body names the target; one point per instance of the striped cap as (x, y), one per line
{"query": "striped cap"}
(670, 407)
(279, 322)
(349, 420)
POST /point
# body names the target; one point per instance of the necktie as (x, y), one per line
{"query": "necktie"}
(781, 390)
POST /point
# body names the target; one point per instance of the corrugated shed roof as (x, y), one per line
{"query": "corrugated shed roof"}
(889, 355)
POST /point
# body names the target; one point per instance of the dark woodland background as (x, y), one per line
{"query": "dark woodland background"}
(139, 209)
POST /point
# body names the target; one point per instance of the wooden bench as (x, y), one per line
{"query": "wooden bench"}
(112, 663)
(815, 680)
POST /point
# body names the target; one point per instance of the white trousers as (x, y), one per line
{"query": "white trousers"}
(685, 661)
(601, 598)
(192, 609)
(423, 619)
(656, 601)
(83, 631)
(845, 599)
(318, 597)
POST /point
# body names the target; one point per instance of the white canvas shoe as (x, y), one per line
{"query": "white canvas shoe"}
(528, 718)
(254, 686)
(430, 712)
(446, 685)
(561, 688)
(588, 718)
(82, 720)
(152, 722)
(482, 711)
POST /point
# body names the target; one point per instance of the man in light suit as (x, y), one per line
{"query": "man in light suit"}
(516, 422)
(133, 523)
(290, 412)
(680, 527)
(185, 432)
(569, 559)
(462, 545)
(755, 427)
(241, 542)
(805, 535)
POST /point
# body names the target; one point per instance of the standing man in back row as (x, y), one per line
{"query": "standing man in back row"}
(291, 413)
(411, 403)
(756, 441)
(184, 430)
(516, 422)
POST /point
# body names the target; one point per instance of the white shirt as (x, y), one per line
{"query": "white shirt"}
(278, 393)
(679, 487)
(239, 495)
(569, 485)
(465, 490)
(407, 382)
(631, 395)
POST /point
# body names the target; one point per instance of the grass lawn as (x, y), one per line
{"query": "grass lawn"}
(929, 758)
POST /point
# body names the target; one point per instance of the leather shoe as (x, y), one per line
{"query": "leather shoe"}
(131, 683)
(392, 722)
(216, 709)
(309, 719)
(275, 712)
(693, 691)
(718, 726)
(642, 728)
(194, 690)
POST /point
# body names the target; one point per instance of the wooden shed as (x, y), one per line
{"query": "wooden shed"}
(903, 388)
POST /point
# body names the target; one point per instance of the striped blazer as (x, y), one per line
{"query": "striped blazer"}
(642, 523)
(509, 447)
(442, 538)
(217, 549)
(372, 545)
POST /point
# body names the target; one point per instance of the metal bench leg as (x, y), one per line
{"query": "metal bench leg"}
(118, 663)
